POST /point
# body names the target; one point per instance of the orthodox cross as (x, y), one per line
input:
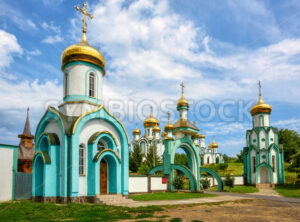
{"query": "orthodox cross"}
(182, 86)
(259, 86)
(85, 15)
(151, 109)
(168, 116)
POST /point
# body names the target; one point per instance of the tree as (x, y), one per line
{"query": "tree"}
(135, 158)
(229, 181)
(290, 141)
(181, 158)
(240, 156)
(152, 158)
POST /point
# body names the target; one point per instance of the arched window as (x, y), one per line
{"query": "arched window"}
(143, 146)
(254, 164)
(92, 81)
(273, 163)
(66, 84)
(261, 121)
(207, 159)
(81, 159)
(101, 146)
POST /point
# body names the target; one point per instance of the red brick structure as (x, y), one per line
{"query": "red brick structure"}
(26, 148)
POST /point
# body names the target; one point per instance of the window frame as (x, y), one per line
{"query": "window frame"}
(92, 86)
(82, 160)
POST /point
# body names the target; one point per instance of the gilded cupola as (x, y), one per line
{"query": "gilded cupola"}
(156, 129)
(260, 106)
(201, 136)
(151, 120)
(213, 145)
(136, 131)
(182, 102)
(169, 126)
(82, 51)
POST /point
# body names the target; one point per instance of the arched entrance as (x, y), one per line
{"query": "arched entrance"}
(264, 175)
(38, 174)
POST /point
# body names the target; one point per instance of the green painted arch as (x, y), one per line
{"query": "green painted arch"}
(188, 172)
(104, 152)
(44, 155)
(215, 175)
(155, 169)
(51, 137)
(264, 164)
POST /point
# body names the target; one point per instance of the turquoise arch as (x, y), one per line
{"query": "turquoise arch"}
(102, 114)
(215, 175)
(114, 173)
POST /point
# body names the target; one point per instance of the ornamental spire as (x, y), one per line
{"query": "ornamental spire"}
(85, 15)
(182, 88)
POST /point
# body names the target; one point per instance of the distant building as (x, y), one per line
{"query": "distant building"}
(263, 156)
(26, 148)
(209, 154)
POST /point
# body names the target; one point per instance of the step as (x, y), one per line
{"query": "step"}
(116, 199)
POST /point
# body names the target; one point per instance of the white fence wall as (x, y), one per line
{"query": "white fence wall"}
(7, 172)
(139, 184)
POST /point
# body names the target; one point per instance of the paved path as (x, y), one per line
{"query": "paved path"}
(216, 199)
(257, 196)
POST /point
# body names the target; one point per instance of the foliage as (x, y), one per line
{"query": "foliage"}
(33, 211)
(144, 169)
(240, 156)
(228, 159)
(223, 166)
(238, 189)
(295, 163)
(178, 183)
(169, 196)
(229, 181)
(135, 158)
(290, 141)
(288, 190)
(205, 183)
(152, 158)
(290, 177)
(181, 158)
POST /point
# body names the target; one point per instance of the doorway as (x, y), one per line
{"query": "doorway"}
(103, 177)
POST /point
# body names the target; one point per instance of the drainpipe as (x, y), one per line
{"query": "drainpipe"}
(68, 168)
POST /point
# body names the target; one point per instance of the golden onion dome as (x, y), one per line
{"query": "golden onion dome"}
(136, 131)
(213, 145)
(260, 107)
(83, 52)
(182, 101)
(151, 120)
(163, 134)
(169, 126)
(201, 136)
(156, 129)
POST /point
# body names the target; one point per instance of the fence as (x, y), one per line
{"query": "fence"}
(23, 185)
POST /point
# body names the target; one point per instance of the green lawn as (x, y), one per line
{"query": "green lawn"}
(238, 189)
(233, 169)
(33, 211)
(288, 190)
(169, 196)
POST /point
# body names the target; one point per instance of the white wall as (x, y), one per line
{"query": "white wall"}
(6, 172)
(156, 184)
(238, 180)
(138, 184)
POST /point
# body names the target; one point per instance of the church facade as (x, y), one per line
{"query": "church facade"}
(81, 148)
(263, 156)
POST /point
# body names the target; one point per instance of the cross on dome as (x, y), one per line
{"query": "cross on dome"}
(85, 15)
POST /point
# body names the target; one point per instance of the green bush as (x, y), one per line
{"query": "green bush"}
(229, 181)
(223, 166)
(144, 169)
(178, 183)
(205, 183)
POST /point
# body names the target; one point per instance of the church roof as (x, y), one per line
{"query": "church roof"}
(186, 124)
(25, 153)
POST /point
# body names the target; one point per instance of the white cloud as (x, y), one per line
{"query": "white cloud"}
(8, 47)
(53, 39)
(51, 28)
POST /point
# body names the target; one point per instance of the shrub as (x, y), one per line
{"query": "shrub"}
(223, 166)
(229, 181)
(178, 183)
(205, 183)
(144, 169)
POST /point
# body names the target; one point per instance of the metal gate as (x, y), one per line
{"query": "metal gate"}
(23, 186)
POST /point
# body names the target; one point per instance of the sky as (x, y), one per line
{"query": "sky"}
(219, 49)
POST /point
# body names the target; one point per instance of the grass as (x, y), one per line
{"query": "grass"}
(288, 190)
(238, 189)
(33, 211)
(169, 196)
(233, 169)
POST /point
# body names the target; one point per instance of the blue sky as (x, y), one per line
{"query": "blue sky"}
(220, 49)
